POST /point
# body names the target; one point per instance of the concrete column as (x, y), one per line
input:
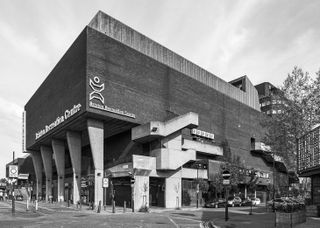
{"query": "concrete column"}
(38, 167)
(59, 155)
(141, 192)
(173, 194)
(74, 144)
(46, 154)
(96, 138)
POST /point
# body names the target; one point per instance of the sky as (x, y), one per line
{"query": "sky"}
(263, 39)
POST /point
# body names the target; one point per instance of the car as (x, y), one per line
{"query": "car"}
(255, 201)
(19, 198)
(215, 203)
(234, 201)
(246, 202)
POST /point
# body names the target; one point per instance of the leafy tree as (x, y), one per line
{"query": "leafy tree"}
(300, 111)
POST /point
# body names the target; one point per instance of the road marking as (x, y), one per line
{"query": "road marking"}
(173, 222)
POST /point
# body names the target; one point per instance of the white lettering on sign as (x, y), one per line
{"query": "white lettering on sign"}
(60, 119)
(202, 133)
(112, 110)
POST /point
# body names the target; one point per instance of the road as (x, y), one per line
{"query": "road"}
(63, 217)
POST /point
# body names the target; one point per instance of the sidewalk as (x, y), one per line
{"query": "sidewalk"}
(256, 220)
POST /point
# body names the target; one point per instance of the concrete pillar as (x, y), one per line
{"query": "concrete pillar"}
(141, 192)
(74, 145)
(173, 194)
(96, 138)
(38, 167)
(46, 154)
(59, 155)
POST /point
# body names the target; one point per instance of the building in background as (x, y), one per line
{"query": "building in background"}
(270, 98)
(120, 106)
(308, 160)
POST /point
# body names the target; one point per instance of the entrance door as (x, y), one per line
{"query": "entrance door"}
(156, 191)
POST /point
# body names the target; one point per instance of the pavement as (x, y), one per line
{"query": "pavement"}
(60, 215)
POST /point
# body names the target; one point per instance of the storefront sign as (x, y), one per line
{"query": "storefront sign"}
(112, 110)
(23, 176)
(202, 133)
(13, 171)
(60, 119)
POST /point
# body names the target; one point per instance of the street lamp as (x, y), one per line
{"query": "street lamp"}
(273, 179)
(198, 187)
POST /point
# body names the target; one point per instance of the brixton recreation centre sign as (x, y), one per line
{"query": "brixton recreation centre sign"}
(60, 119)
(96, 95)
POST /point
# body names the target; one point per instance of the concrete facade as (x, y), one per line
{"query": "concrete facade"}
(59, 157)
(128, 111)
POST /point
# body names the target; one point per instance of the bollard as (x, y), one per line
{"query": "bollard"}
(113, 206)
(124, 207)
(27, 204)
(36, 205)
(99, 207)
(13, 206)
(68, 203)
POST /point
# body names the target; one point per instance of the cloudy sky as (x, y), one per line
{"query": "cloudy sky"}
(263, 39)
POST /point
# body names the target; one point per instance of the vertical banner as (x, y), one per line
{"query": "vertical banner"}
(23, 131)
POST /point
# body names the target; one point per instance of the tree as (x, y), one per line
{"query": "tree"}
(314, 100)
(300, 95)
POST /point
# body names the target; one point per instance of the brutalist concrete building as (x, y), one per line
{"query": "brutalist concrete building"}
(121, 106)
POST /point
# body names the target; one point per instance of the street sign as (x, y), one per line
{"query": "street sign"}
(226, 182)
(105, 182)
(13, 171)
(226, 174)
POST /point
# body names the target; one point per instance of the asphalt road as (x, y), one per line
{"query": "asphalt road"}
(63, 217)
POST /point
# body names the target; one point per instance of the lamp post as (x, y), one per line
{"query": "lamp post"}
(198, 185)
(273, 179)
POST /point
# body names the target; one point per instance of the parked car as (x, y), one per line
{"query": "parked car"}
(255, 201)
(19, 198)
(215, 203)
(246, 202)
(234, 201)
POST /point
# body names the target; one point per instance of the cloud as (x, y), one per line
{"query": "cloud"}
(23, 44)
(10, 131)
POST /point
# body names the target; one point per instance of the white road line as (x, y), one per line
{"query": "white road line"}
(173, 222)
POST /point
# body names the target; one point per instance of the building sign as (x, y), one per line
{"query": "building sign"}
(13, 171)
(24, 131)
(23, 176)
(112, 110)
(202, 134)
(96, 96)
(60, 119)
(97, 89)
